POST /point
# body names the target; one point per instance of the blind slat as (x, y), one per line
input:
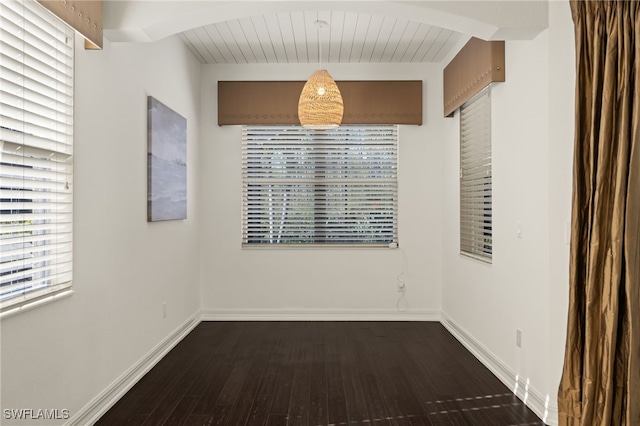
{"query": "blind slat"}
(58, 224)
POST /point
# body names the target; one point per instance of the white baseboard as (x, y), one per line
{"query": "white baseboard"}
(285, 314)
(90, 413)
(544, 406)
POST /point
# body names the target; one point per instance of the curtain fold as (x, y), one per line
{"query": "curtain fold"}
(600, 383)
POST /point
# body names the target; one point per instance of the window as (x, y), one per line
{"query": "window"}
(475, 177)
(319, 187)
(36, 135)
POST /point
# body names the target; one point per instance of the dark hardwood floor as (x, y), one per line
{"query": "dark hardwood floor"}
(319, 373)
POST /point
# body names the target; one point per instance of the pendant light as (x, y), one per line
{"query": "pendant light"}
(320, 105)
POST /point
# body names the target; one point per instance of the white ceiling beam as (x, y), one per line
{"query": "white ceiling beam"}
(152, 20)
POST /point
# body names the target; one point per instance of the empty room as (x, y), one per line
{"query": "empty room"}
(319, 212)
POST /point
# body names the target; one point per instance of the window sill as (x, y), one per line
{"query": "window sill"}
(318, 246)
(31, 304)
(485, 260)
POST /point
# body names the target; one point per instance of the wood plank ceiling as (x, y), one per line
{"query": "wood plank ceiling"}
(293, 37)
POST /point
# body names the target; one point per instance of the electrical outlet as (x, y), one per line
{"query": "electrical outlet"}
(164, 310)
(401, 287)
(518, 338)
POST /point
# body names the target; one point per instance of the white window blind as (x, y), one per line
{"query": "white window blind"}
(475, 177)
(36, 135)
(306, 187)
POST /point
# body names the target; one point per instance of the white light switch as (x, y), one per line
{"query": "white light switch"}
(519, 230)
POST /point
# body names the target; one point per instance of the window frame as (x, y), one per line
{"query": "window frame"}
(312, 185)
(476, 176)
(36, 157)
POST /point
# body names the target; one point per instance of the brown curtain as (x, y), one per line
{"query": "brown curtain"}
(600, 383)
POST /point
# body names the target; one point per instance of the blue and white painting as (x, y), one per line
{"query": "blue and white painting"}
(166, 164)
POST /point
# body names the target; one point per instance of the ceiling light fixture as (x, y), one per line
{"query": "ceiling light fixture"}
(320, 105)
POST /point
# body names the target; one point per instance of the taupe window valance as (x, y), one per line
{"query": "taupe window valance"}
(478, 64)
(84, 16)
(276, 102)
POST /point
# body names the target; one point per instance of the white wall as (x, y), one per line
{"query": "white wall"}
(62, 355)
(321, 283)
(561, 136)
(524, 288)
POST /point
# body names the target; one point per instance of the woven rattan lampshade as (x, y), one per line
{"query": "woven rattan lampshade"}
(320, 105)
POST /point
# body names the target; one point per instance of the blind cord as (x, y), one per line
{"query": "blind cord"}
(401, 304)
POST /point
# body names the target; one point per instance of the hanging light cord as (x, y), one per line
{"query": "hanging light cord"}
(320, 24)
(319, 43)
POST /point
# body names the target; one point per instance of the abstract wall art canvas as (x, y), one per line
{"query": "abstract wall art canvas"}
(166, 163)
